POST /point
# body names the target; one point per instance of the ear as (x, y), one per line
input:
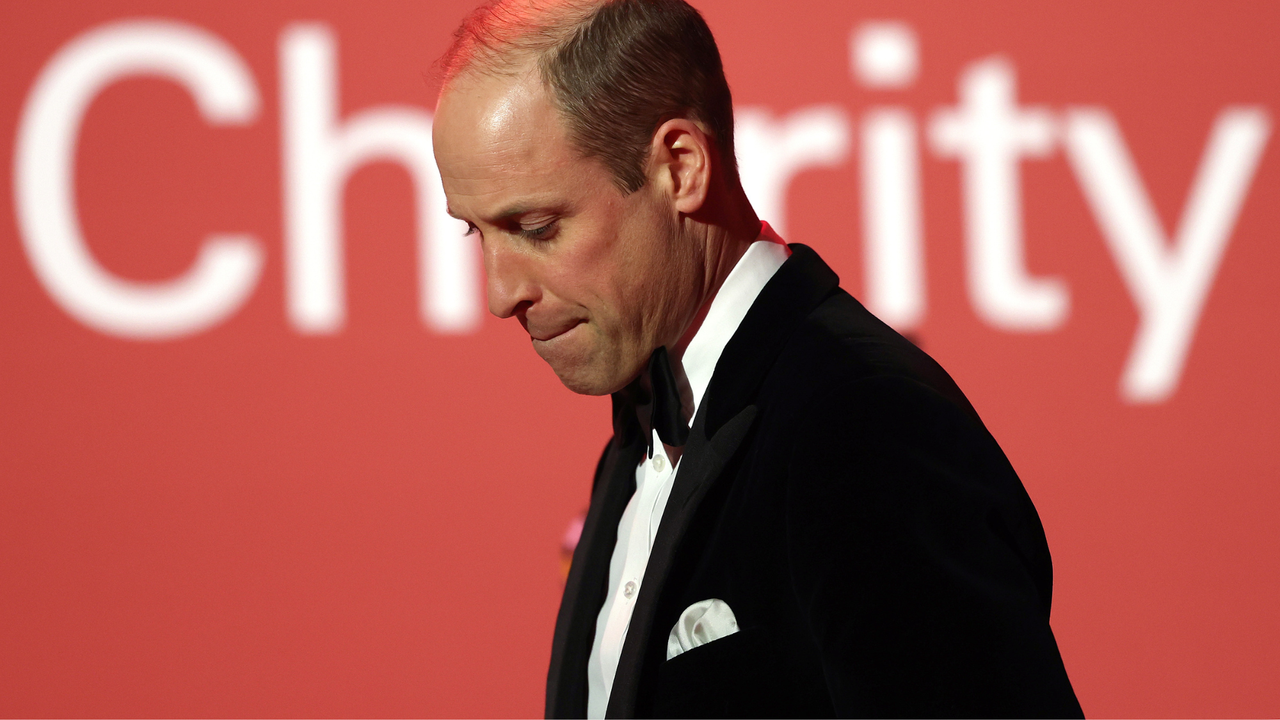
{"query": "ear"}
(682, 156)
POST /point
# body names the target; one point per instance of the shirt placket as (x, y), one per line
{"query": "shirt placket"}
(652, 489)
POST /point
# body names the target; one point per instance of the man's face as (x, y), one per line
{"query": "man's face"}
(597, 278)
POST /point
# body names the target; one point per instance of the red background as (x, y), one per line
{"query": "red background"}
(252, 521)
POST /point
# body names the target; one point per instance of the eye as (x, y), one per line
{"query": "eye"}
(541, 232)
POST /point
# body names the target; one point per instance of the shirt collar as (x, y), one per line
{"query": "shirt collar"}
(753, 270)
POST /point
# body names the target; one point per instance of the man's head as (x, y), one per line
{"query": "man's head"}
(589, 144)
(615, 70)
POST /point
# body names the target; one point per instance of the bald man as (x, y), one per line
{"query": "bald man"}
(799, 513)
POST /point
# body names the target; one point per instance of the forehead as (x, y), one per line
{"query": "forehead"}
(499, 139)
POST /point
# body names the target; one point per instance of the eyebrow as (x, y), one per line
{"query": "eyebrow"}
(508, 213)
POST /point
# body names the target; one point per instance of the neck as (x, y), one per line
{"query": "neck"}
(725, 232)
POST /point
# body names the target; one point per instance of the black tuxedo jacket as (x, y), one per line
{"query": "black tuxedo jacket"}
(841, 495)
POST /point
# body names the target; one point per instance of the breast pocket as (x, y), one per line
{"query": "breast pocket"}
(729, 677)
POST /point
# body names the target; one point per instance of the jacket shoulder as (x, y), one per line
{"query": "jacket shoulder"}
(841, 342)
(845, 379)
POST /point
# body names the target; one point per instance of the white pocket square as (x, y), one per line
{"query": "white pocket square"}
(699, 624)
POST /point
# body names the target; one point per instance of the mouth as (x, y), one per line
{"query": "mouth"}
(545, 336)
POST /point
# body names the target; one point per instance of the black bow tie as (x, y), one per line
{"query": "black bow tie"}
(665, 415)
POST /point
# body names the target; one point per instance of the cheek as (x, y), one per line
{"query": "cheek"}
(602, 270)
(617, 265)
(652, 260)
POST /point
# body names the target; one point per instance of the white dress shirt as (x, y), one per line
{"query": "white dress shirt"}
(655, 476)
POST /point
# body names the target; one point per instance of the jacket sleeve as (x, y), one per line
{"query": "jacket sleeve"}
(918, 560)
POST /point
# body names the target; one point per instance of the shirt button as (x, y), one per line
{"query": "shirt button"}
(629, 590)
(658, 463)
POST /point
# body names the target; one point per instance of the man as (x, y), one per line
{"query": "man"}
(799, 514)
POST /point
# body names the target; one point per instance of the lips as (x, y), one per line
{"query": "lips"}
(544, 334)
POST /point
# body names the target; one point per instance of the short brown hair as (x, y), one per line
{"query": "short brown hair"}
(616, 70)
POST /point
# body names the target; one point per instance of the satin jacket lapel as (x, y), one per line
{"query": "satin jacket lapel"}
(584, 590)
(723, 422)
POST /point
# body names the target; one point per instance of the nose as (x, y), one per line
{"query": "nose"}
(509, 281)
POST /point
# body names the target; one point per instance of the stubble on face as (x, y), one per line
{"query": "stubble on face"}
(610, 277)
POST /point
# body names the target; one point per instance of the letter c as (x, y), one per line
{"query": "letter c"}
(228, 266)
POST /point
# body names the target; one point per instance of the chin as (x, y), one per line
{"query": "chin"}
(596, 376)
(584, 364)
(584, 382)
